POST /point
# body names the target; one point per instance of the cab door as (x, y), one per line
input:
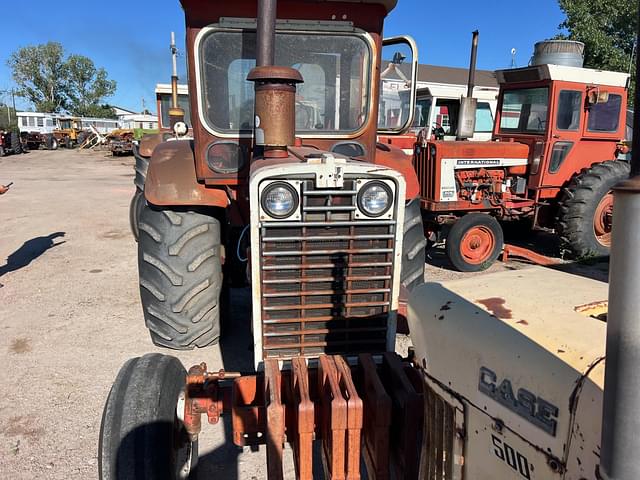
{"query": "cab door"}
(564, 146)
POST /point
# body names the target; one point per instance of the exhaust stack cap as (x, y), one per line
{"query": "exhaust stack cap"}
(275, 99)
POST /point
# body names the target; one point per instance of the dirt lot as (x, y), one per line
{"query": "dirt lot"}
(70, 316)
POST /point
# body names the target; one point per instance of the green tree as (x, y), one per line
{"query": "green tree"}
(87, 86)
(40, 74)
(8, 119)
(606, 27)
(100, 111)
(53, 82)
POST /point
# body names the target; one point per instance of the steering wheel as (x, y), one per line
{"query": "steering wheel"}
(438, 131)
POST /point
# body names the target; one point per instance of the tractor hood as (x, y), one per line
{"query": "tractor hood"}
(517, 351)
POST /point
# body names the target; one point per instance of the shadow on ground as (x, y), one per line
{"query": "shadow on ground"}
(29, 251)
(237, 355)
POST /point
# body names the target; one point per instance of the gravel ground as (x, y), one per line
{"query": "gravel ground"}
(70, 316)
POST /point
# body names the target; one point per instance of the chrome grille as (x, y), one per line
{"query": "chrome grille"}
(326, 280)
(425, 166)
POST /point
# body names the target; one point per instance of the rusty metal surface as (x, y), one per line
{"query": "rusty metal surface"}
(371, 410)
(302, 426)
(275, 98)
(407, 414)
(377, 420)
(533, 257)
(171, 178)
(275, 418)
(248, 416)
(333, 419)
(354, 418)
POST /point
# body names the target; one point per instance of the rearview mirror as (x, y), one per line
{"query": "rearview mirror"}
(398, 78)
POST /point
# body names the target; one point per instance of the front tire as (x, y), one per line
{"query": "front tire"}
(586, 209)
(180, 274)
(413, 246)
(474, 242)
(141, 436)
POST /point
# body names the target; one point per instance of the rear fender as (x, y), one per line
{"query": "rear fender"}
(393, 157)
(171, 178)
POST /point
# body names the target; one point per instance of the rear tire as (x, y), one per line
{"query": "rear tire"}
(141, 167)
(52, 143)
(413, 246)
(585, 210)
(474, 242)
(180, 274)
(135, 207)
(16, 143)
(140, 434)
(82, 137)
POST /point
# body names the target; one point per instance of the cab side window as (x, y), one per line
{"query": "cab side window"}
(484, 118)
(569, 109)
(605, 117)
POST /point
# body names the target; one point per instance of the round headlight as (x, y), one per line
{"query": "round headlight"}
(375, 198)
(279, 200)
(226, 157)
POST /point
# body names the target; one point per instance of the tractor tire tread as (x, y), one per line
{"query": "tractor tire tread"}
(577, 205)
(138, 418)
(180, 277)
(413, 247)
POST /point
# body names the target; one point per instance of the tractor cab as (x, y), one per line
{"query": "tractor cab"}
(438, 108)
(565, 115)
(69, 123)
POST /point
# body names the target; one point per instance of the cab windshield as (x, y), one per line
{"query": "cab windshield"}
(334, 97)
(524, 110)
(423, 113)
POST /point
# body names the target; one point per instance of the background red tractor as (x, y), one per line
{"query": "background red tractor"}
(555, 155)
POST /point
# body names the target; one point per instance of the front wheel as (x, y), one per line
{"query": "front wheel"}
(141, 435)
(474, 242)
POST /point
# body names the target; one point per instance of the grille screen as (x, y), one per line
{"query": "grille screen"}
(326, 280)
(424, 163)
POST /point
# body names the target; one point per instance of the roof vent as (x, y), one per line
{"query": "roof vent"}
(558, 52)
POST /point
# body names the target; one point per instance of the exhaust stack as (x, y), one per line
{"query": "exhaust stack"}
(176, 114)
(620, 441)
(275, 89)
(468, 105)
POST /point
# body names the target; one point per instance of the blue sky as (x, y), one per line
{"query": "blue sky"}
(130, 39)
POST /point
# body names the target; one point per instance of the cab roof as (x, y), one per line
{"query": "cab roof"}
(387, 4)
(562, 73)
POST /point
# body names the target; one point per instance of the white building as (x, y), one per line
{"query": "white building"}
(48, 122)
(122, 112)
(36, 122)
(139, 120)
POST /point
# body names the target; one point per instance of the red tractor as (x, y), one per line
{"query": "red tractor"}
(556, 153)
